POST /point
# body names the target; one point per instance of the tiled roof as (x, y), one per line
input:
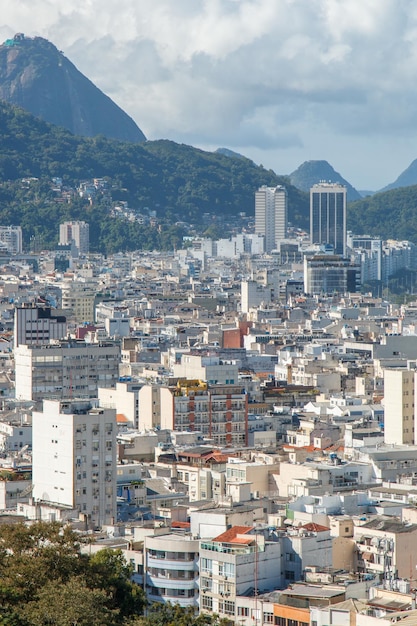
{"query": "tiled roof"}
(230, 535)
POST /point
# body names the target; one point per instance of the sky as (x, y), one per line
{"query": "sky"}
(280, 81)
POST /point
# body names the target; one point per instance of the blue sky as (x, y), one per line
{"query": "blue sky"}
(281, 81)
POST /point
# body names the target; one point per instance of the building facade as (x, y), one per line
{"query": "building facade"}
(11, 239)
(328, 215)
(76, 233)
(171, 565)
(239, 562)
(68, 369)
(271, 210)
(37, 326)
(329, 274)
(74, 459)
(219, 412)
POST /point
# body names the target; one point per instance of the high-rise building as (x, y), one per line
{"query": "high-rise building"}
(67, 369)
(11, 239)
(76, 233)
(38, 325)
(271, 215)
(399, 419)
(328, 215)
(74, 459)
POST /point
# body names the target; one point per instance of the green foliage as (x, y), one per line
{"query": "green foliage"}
(178, 181)
(390, 215)
(44, 576)
(174, 615)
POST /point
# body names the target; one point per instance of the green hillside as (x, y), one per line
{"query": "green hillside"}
(390, 215)
(179, 182)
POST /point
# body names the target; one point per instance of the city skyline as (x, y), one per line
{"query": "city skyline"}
(212, 75)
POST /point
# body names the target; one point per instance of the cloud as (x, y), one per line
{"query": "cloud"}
(259, 74)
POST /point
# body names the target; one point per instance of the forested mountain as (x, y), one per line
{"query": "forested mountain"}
(391, 215)
(35, 75)
(179, 182)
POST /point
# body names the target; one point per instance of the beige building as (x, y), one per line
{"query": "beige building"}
(387, 547)
(399, 419)
(219, 412)
(78, 299)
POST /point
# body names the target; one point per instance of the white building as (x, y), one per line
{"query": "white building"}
(206, 368)
(239, 561)
(171, 565)
(37, 326)
(65, 370)
(253, 294)
(74, 459)
(76, 233)
(124, 398)
(11, 239)
(271, 215)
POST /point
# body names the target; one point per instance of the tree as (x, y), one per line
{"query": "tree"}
(44, 573)
(69, 604)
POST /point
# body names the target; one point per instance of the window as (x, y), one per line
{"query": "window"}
(268, 618)
(229, 607)
(243, 611)
(207, 603)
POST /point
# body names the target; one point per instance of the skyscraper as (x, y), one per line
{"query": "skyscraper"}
(328, 215)
(271, 215)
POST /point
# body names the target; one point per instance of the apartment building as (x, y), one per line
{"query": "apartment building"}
(38, 325)
(171, 566)
(387, 548)
(74, 459)
(67, 369)
(219, 412)
(241, 561)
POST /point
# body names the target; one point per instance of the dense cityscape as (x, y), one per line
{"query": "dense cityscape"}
(234, 418)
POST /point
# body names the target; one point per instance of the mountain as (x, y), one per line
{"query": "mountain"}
(389, 215)
(177, 181)
(39, 78)
(406, 179)
(312, 172)
(229, 153)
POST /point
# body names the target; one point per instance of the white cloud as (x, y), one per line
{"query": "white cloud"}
(283, 78)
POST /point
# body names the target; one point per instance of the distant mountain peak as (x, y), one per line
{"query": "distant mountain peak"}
(311, 172)
(36, 76)
(407, 178)
(230, 153)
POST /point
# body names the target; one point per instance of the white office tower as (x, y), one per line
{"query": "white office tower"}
(74, 460)
(37, 325)
(76, 233)
(11, 239)
(271, 215)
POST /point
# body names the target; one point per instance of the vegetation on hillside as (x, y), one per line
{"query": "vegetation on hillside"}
(390, 215)
(179, 182)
